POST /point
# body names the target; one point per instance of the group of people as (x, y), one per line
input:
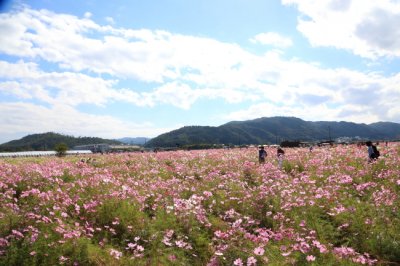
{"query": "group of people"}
(373, 153)
(262, 154)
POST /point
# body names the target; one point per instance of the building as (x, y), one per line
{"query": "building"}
(40, 153)
(125, 148)
(106, 148)
(95, 148)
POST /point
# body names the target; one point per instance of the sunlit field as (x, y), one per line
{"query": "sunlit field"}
(213, 207)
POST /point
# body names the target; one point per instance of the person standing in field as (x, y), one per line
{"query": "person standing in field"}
(373, 152)
(280, 155)
(262, 154)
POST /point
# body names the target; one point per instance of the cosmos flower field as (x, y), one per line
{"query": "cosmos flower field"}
(212, 207)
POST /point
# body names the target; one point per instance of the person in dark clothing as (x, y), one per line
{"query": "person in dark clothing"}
(262, 154)
(279, 151)
(373, 152)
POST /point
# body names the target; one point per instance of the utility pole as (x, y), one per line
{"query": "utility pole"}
(329, 130)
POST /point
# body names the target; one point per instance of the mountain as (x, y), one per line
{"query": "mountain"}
(134, 141)
(47, 141)
(387, 127)
(274, 130)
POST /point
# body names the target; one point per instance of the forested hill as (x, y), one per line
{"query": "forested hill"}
(274, 130)
(257, 131)
(47, 141)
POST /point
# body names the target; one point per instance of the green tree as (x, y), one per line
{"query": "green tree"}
(61, 149)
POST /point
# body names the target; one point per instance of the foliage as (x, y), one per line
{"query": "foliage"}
(272, 130)
(202, 146)
(61, 149)
(48, 141)
(290, 144)
(203, 207)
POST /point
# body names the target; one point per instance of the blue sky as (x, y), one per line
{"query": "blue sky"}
(141, 68)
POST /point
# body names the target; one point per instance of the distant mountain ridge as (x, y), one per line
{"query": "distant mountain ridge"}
(258, 131)
(274, 130)
(47, 141)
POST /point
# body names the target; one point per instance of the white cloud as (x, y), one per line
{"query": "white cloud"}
(14, 88)
(12, 38)
(306, 112)
(88, 14)
(58, 88)
(313, 93)
(365, 28)
(27, 81)
(176, 94)
(272, 38)
(179, 70)
(150, 56)
(110, 20)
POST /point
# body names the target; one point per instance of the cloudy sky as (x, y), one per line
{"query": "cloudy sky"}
(141, 68)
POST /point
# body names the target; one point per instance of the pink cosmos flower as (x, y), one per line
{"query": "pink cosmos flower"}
(237, 223)
(207, 194)
(259, 251)
(34, 237)
(167, 242)
(62, 259)
(116, 254)
(238, 262)
(172, 257)
(131, 246)
(251, 261)
(345, 225)
(310, 258)
(17, 233)
(3, 242)
(180, 243)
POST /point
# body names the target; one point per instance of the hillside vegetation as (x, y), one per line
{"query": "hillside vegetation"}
(47, 141)
(274, 130)
(258, 131)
